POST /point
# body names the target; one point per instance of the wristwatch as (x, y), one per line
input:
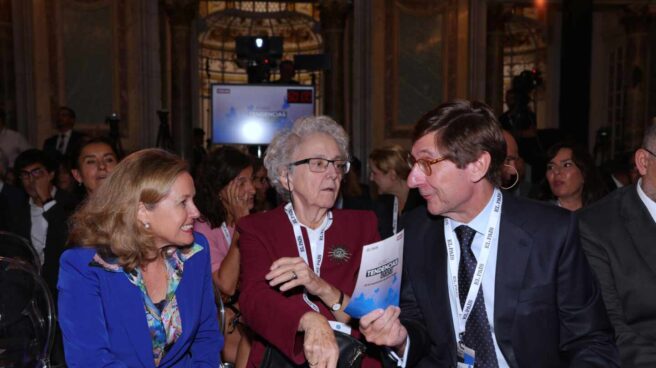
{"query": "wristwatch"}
(337, 306)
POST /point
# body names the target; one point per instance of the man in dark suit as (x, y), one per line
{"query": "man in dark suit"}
(63, 143)
(618, 234)
(489, 280)
(43, 216)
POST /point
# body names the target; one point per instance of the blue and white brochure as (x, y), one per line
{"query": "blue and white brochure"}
(379, 278)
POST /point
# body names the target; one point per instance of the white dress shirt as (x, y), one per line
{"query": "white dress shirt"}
(479, 223)
(39, 229)
(649, 203)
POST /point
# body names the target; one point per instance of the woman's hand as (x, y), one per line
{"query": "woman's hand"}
(287, 273)
(236, 203)
(319, 344)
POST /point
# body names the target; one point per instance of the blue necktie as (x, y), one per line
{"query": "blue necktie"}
(477, 332)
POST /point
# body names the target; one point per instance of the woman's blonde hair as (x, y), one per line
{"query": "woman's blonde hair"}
(108, 219)
(393, 158)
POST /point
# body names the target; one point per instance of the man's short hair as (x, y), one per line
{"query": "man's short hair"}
(464, 130)
(649, 140)
(32, 156)
(69, 111)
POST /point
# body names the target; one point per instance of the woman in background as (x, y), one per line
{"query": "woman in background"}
(390, 170)
(261, 183)
(225, 194)
(92, 162)
(138, 291)
(572, 178)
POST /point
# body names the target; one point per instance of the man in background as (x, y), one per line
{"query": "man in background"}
(12, 143)
(64, 142)
(618, 234)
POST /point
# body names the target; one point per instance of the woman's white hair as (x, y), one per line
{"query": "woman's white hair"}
(281, 150)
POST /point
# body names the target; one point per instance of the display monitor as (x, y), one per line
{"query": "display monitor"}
(253, 114)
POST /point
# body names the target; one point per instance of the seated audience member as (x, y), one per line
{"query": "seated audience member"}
(138, 291)
(353, 194)
(389, 170)
(300, 261)
(572, 178)
(225, 194)
(11, 197)
(514, 173)
(66, 140)
(537, 303)
(263, 197)
(618, 234)
(42, 218)
(92, 162)
(65, 180)
(11, 141)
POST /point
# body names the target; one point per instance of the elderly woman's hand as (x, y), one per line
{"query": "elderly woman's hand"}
(287, 273)
(319, 344)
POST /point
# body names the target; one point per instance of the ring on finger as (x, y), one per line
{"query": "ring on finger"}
(312, 364)
(294, 277)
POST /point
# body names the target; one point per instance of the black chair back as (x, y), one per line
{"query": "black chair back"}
(27, 316)
(17, 247)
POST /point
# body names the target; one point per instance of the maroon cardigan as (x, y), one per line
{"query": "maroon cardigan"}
(274, 316)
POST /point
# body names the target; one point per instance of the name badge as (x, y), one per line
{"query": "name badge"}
(466, 356)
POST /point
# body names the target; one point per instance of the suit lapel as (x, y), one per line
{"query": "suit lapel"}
(640, 226)
(430, 280)
(130, 307)
(512, 257)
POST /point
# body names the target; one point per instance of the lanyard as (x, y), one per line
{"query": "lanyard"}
(477, 280)
(317, 249)
(226, 233)
(395, 214)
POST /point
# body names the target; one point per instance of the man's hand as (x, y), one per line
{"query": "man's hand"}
(383, 328)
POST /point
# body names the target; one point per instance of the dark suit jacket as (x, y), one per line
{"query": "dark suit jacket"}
(50, 144)
(11, 198)
(619, 236)
(57, 217)
(274, 316)
(548, 310)
(103, 319)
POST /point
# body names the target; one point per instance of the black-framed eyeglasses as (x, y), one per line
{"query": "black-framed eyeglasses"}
(35, 173)
(319, 165)
(650, 152)
(424, 165)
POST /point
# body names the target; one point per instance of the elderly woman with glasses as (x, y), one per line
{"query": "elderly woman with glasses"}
(300, 261)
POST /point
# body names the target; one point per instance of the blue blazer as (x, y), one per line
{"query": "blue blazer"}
(103, 319)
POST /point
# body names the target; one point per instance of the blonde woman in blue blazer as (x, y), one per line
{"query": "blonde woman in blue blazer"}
(137, 292)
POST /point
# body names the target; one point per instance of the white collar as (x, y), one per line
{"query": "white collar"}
(479, 223)
(649, 203)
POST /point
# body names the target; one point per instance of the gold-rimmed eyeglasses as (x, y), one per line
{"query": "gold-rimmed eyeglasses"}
(424, 165)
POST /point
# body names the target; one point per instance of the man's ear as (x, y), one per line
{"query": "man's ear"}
(641, 160)
(478, 168)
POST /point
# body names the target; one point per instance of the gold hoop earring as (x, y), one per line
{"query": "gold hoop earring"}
(516, 178)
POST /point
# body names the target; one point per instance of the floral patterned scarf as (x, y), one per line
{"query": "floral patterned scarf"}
(164, 325)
